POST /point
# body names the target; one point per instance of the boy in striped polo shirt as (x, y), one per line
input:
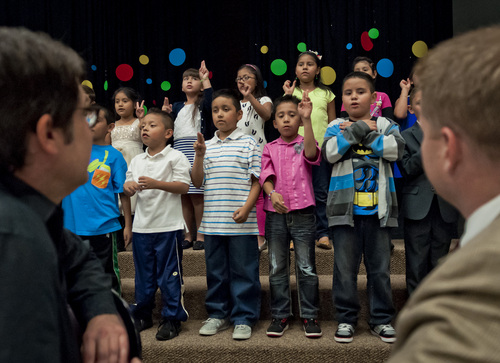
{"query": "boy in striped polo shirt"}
(229, 168)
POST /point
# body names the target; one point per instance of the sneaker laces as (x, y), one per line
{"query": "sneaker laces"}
(386, 327)
(344, 327)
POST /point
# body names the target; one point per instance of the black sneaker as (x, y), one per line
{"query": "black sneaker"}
(312, 328)
(186, 244)
(143, 324)
(385, 332)
(344, 333)
(168, 329)
(277, 327)
(198, 245)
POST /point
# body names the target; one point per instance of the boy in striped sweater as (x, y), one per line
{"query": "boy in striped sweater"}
(229, 167)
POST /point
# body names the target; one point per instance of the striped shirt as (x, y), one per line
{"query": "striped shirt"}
(228, 167)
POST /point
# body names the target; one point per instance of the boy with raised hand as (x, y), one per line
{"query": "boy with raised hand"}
(229, 168)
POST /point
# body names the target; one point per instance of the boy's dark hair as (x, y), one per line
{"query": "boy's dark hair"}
(285, 99)
(89, 91)
(363, 59)
(413, 93)
(130, 93)
(259, 91)
(361, 75)
(108, 115)
(231, 94)
(166, 119)
(29, 63)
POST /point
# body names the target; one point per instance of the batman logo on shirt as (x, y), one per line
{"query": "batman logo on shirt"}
(361, 149)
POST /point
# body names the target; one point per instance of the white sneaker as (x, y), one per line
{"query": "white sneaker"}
(344, 333)
(242, 332)
(212, 326)
(385, 332)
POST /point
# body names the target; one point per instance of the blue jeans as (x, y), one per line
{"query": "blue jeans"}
(321, 180)
(233, 285)
(158, 263)
(350, 244)
(298, 225)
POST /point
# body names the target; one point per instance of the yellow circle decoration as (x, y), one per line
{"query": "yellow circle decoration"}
(419, 48)
(144, 59)
(87, 83)
(328, 75)
(264, 49)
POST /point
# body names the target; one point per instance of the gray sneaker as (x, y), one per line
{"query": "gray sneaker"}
(242, 332)
(212, 326)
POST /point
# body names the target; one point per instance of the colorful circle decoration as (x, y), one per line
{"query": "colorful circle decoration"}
(145, 110)
(165, 85)
(302, 47)
(349, 46)
(419, 48)
(105, 85)
(385, 67)
(373, 33)
(328, 75)
(149, 81)
(210, 75)
(87, 83)
(264, 49)
(366, 42)
(265, 84)
(278, 67)
(177, 56)
(144, 59)
(124, 72)
(93, 67)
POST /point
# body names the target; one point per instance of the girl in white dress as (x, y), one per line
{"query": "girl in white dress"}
(257, 108)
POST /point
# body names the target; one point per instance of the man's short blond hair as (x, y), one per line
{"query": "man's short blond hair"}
(460, 83)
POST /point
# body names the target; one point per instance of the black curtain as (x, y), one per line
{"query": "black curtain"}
(228, 34)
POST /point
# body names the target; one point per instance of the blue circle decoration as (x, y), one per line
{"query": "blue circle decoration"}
(149, 81)
(265, 84)
(349, 46)
(93, 67)
(385, 67)
(177, 56)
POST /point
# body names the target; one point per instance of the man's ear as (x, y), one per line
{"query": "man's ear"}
(240, 114)
(47, 136)
(275, 124)
(169, 133)
(373, 97)
(111, 126)
(452, 149)
(410, 110)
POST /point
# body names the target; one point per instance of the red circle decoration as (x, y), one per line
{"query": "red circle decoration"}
(366, 42)
(210, 75)
(124, 72)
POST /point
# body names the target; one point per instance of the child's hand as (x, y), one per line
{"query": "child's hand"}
(130, 188)
(405, 85)
(167, 107)
(204, 73)
(344, 125)
(199, 145)
(241, 215)
(287, 88)
(372, 124)
(147, 183)
(127, 236)
(245, 90)
(305, 106)
(139, 110)
(278, 203)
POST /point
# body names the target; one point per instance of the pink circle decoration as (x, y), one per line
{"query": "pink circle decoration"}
(124, 72)
(366, 42)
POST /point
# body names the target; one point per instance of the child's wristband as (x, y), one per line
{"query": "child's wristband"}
(269, 196)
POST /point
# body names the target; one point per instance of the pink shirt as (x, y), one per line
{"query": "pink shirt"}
(291, 172)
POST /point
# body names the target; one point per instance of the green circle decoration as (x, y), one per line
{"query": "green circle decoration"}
(278, 67)
(106, 85)
(373, 33)
(302, 47)
(165, 85)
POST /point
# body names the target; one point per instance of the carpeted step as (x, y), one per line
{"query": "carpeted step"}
(194, 262)
(195, 290)
(293, 346)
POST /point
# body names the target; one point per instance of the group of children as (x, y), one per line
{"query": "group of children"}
(324, 176)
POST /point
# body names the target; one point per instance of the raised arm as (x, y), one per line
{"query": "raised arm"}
(305, 109)
(197, 174)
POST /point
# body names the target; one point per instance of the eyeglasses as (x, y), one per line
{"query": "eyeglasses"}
(91, 118)
(244, 78)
